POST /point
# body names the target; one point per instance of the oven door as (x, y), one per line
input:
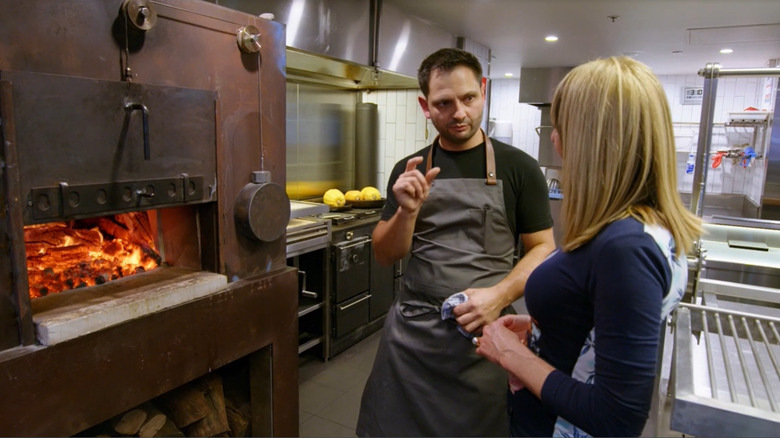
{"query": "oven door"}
(351, 314)
(351, 268)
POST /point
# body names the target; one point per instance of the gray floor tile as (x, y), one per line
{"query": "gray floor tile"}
(314, 396)
(361, 356)
(303, 416)
(330, 391)
(310, 366)
(344, 410)
(342, 376)
(320, 427)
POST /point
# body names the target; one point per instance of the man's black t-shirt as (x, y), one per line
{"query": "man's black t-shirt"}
(525, 189)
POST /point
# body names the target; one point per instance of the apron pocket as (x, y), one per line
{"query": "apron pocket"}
(412, 309)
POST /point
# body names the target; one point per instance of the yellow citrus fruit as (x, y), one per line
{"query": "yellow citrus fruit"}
(370, 193)
(353, 195)
(334, 198)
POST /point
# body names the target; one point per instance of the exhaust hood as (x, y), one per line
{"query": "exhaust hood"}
(537, 85)
(307, 67)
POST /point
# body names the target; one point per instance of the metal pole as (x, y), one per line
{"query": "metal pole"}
(710, 73)
(754, 72)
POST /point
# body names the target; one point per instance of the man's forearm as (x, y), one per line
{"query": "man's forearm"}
(393, 238)
(512, 286)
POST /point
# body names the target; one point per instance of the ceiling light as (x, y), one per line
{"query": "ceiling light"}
(676, 52)
(509, 75)
(551, 38)
(726, 51)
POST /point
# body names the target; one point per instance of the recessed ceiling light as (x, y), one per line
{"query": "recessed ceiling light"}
(509, 75)
(726, 51)
(551, 38)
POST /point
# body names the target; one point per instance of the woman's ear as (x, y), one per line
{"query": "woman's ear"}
(555, 137)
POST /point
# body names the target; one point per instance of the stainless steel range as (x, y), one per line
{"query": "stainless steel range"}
(347, 293)
(362, 289)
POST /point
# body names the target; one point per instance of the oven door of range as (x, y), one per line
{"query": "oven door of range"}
(351, 269)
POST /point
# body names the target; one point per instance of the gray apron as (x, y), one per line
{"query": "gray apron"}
(427, 379)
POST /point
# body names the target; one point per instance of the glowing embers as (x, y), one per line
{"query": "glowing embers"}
(63, 256)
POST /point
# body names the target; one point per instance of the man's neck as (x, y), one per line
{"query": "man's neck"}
(475, 140)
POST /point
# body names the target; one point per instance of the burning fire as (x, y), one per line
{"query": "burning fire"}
(62, 256)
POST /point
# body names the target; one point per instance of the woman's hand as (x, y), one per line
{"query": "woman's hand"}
(506, 333)
(503, 342)
(502, 336)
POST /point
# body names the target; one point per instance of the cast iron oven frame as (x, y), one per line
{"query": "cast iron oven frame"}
(63, 389)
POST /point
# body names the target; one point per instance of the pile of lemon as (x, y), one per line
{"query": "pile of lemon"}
(336, 198)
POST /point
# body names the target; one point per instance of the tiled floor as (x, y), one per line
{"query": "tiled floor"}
(330, 391)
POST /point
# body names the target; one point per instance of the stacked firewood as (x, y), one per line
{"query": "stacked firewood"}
(198, 409)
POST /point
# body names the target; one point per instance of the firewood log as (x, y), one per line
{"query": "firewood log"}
(130, 422)
(215, 423)
(186, 404)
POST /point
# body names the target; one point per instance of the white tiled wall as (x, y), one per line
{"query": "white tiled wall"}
(402, 127)
(504, 106)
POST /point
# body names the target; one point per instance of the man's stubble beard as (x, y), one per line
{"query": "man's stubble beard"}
(459, 140)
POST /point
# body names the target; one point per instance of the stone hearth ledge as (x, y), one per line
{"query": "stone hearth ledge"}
(68, 315)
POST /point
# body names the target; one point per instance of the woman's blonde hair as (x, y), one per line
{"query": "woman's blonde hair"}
(618, 152)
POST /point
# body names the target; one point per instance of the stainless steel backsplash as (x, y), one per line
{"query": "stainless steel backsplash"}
(320, 140)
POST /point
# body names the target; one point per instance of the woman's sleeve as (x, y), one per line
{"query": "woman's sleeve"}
(628, 282)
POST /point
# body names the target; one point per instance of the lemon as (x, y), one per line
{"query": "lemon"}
(353, 195)
(334, 198)
(371, 193)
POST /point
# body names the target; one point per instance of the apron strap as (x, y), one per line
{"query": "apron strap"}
(490, 159)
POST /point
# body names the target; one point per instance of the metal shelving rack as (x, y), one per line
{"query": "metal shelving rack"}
(711, 73)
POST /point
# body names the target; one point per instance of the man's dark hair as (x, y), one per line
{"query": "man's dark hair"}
(446, 60)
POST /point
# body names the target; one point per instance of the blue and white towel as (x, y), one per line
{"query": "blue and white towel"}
(449, 304)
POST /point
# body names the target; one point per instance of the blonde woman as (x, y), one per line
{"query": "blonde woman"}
(583, 362)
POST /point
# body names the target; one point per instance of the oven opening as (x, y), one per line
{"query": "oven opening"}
(91, 274)
(87, 252)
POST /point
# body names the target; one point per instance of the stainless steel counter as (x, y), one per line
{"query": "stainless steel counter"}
(720, 368)
(724, 369)
(726, 375)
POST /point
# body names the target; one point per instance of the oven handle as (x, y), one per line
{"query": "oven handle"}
(342, 308)
(352, 243)
(129, 108)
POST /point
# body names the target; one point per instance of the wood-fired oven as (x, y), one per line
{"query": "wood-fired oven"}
(142, 210)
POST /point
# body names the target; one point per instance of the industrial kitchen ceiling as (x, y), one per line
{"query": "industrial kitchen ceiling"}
(672, 36)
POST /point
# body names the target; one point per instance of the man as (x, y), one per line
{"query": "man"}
(461, 219)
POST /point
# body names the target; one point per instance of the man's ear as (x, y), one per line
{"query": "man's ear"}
(424, 105)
